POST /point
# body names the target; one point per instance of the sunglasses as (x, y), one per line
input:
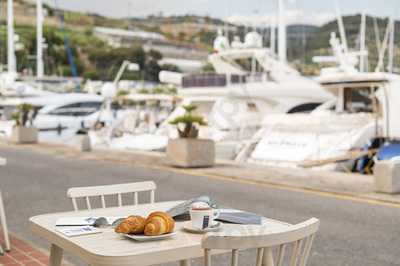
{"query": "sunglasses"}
(102, 222)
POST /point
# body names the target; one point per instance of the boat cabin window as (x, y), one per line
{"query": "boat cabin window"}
(359, 100)
(305, 108)
(77, 109)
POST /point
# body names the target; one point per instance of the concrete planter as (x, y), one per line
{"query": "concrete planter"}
(24, 135)
(191, 153)
(387, 176)
(85, 144)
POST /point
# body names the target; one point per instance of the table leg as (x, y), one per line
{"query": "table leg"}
(3, 222)
(184, 263)
(268, 259)
(56, 254)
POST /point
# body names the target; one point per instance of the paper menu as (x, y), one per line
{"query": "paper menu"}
(78, 231)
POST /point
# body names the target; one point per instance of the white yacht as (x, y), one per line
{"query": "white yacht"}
(249, 70)
(134, 125)
(363, 112)
(59, 117)
(339, 132)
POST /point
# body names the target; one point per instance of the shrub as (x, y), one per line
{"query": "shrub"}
(122, 93)
(24, 113)
(190, 123)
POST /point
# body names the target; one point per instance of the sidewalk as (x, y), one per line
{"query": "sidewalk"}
(22, 254)
(351, 186)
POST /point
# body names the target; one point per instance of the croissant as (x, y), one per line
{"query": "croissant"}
(131, 225)
(159, 223)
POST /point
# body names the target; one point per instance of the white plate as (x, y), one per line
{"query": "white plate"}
(188, 227)
(143, 238)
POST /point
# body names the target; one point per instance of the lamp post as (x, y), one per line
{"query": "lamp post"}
(282, 32)
(11, 61)
(39, 39)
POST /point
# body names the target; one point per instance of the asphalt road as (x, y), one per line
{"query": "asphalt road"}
(351, 233)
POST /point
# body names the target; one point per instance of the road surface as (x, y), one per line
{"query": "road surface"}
(352, 233)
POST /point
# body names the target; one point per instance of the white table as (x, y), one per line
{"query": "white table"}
(109, 248)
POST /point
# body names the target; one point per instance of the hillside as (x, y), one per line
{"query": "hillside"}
(94, 58)
(318, 44)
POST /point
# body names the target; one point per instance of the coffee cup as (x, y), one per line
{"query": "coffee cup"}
(203, 218)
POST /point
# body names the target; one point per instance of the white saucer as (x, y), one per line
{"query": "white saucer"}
(143, 238)
(188, 227)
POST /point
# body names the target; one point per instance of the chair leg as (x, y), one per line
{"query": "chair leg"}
(268, 258)
(3, 222)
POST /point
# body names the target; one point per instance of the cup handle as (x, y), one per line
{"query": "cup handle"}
(216, 213)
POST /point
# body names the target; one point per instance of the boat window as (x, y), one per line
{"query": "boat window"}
(77, 109)
(357, 100)
(305, 108)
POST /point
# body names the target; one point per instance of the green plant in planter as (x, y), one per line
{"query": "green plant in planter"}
(16, 117)
(23, 115)
(190, 123)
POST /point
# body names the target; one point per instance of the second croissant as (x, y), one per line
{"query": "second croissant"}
(157, 223)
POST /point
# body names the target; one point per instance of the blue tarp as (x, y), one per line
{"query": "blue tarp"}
(389, 151)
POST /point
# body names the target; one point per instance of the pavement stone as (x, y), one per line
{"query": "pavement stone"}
(23, 253)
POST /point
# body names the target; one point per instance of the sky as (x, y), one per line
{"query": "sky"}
(298, 11)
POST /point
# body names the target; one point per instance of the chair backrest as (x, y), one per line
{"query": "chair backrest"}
(118, 190)
(300, 237)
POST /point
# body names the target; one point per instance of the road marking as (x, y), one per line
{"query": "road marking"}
(286, 187)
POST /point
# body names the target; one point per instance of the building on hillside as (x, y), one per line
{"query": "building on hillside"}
(185, 65)
(119, 37)
(190, 28)
(172, 50)
(150, 40)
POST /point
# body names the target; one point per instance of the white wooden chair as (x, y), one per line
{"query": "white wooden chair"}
(117, 190)
(4, 226)
(299, 237)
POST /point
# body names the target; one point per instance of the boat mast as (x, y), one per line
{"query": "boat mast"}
(377, 35)
(342, 30)
(39, 39)
(226, 26)
(391, 46)
(362, 43)
(282, 51)
(273, 36)
(11, 60)
(384, 46)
